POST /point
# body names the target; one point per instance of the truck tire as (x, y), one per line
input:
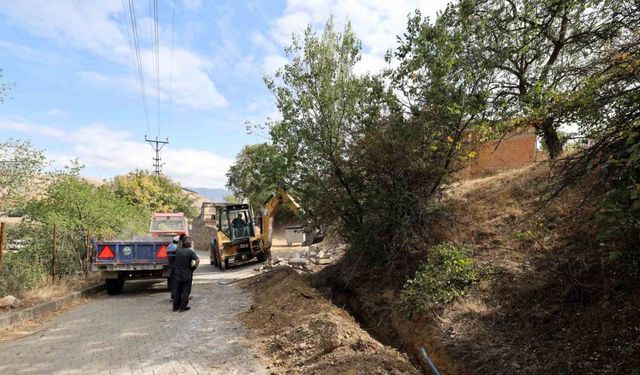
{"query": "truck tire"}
(262, 257)
(114, 286)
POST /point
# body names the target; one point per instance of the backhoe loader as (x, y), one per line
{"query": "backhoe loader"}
(239, 237)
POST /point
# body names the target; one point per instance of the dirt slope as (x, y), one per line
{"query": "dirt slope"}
(304, 333)
(552, 301)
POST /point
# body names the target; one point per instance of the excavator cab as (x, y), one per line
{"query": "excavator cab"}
(235, 239)
(241, 223)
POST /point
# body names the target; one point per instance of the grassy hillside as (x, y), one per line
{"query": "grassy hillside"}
(552, 298)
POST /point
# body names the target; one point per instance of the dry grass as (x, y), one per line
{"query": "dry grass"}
(47, 290)
(549, 303)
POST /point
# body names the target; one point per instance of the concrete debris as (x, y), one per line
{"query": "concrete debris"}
(298, 261)
(9, 302)
(322, 261)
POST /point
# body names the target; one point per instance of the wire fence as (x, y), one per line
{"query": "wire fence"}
(34, 255)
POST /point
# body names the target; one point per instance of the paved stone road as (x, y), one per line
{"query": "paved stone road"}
(137, 333)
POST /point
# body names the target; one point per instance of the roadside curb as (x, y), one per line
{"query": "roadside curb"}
(43, 308)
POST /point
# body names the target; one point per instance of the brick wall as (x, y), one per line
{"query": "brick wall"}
(516, 150)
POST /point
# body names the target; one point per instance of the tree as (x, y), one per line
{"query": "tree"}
(355, 153)
(84, 211)
(230, 198)
(20, 165)
(257, 171)
(153, 193)
(536, 50)
(324, 106)
(606, 107)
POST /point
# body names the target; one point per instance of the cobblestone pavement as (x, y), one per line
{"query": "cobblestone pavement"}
(137, 333)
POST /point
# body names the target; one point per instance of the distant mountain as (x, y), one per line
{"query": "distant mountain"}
(215, 195)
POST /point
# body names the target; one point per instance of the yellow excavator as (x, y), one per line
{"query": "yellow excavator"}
(239, 237)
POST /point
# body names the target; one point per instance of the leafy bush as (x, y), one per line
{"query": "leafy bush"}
(153, 193)
(608, 113)
(31, 265)
(446, 276)
(82, 212)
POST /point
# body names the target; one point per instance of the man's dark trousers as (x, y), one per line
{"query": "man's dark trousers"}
(172, 284)
(182, 286)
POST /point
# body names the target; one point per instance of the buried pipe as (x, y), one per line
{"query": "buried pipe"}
(425, 358)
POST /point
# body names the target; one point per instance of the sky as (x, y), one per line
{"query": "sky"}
(78, 94)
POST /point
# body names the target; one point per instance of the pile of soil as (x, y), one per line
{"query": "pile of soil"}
(303, 333)
(552, 299)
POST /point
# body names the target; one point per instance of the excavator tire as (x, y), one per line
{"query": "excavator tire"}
(262, 257)
(213, 252)
(223, 264)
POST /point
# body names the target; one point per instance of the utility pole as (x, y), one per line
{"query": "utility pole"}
(157, 145)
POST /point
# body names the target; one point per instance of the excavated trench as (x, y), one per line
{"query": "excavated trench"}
(374, 312)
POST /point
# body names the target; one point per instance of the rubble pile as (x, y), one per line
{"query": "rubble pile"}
(314, 258)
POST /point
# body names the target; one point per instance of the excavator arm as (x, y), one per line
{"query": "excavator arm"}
(268, 211)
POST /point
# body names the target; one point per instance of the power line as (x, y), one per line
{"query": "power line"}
(135, 45)
(157, 146)
(173, 22)
(156, 21)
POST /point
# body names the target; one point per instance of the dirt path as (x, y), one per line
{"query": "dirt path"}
(137, 333)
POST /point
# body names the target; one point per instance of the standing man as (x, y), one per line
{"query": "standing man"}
(171, 256)
(185, 263)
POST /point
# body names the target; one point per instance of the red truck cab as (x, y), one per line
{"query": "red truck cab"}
(168, 225)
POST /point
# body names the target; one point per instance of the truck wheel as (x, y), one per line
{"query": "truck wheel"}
(226, 264)
(114, 286)
(262, 257)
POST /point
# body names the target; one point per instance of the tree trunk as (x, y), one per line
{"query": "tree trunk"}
(550, 138)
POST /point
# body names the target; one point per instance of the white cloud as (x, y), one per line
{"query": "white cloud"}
(261, 41)
(370, 63)
(117, 152)
(272, 63)
(192, 4)
(288, 24)
(376, 23)
(56, 112)
(28, 53)
(99, 27)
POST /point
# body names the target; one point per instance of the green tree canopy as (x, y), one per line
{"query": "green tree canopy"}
(257, 171)
(514, 56)
(325, 107)
(84, 211)
(20, 166)
(153, 193)
(349, 150)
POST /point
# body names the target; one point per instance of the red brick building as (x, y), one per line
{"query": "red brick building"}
(513, 151)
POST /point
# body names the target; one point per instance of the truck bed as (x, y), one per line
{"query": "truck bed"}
(147, 254)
